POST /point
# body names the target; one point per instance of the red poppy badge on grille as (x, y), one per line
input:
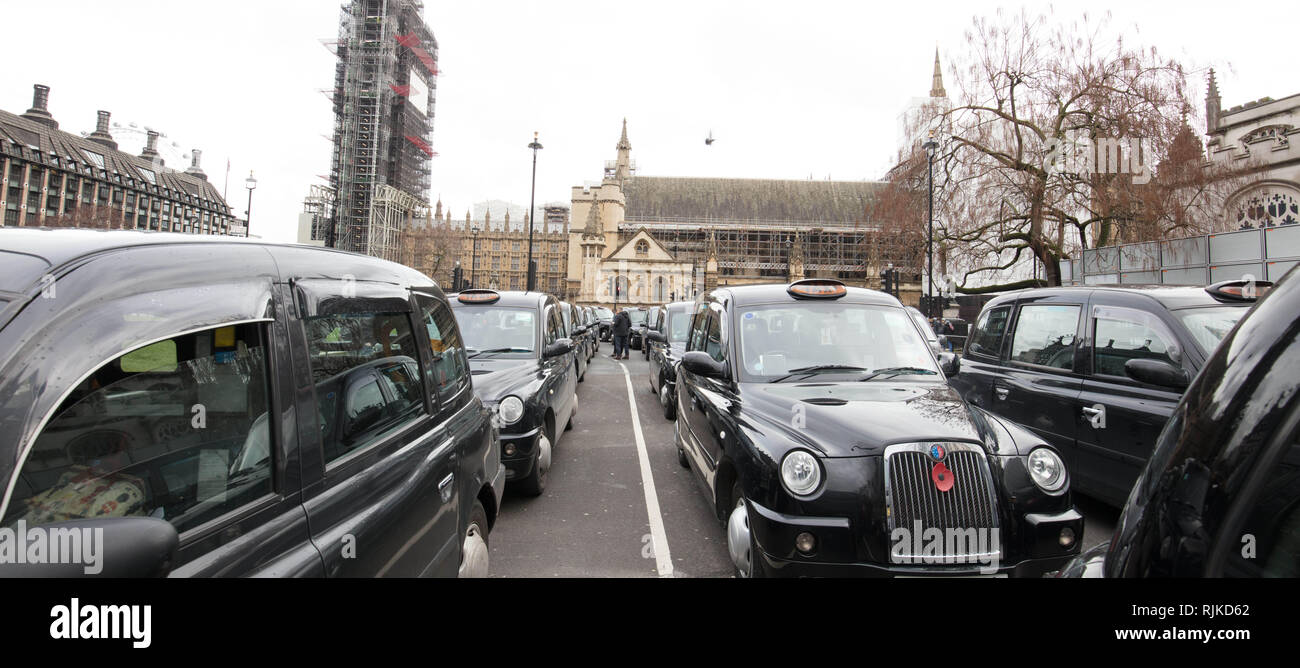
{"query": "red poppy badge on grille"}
(942, 477)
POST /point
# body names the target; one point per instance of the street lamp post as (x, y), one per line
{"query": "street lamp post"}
(930, 145)
(532, 216)
(473, 260)
(251, 184)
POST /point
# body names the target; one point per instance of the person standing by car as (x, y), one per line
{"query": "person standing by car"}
(622, 329)
(947, 333)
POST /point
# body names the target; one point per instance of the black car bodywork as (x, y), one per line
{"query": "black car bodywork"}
(605, 322)
(667, 344)
(1100, 403)
(118, 355)
(1220, 496)
(636, 336)
(577, 333)
(870, 441)
(542, 375)
(651, 324)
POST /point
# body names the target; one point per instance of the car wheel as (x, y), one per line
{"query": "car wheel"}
(569, 425)
(535, 483)
(681, 458)
(670, 406)
(474, 549)
(740, 540)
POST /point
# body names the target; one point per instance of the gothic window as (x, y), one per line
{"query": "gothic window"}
(1268, 207)
(642, 247)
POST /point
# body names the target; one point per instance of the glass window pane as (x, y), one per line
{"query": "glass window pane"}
(176, 430)
(1045, 335)
(987, 339)
(1119, 340)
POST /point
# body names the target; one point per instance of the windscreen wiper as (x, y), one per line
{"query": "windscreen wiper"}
(500, 350)
(810, 370)
(897, 370)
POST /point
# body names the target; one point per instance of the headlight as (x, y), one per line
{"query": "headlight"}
(510, 409)
(1047, 470)
(800, 472)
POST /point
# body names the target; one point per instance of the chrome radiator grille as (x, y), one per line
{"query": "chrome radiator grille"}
(913, 497)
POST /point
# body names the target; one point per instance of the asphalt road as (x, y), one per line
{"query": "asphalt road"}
(594, 520)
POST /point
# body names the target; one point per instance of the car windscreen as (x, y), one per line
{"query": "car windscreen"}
(500, 331)
(926, 330)
(604, 313)
(1210, 324)
(782, 339)
(637, 317)
(679, 326)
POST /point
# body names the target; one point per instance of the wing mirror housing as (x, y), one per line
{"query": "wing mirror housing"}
(949, 364)
(657, 337)
(699, 363)
(560, 347)
(1157, 372)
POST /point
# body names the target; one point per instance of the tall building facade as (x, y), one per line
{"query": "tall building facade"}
(493, 252)
(52, 177)
(1257, 136)
(384, 93)
(649, 239)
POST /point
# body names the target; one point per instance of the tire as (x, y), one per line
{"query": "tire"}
(535, 483)
(669, 404)
(568, 426)
(474, 545)
(745, 549)
(681, 458)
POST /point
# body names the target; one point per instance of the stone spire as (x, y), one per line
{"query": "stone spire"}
(623, 166)
(936, 86)
(594, 227)
(487, 220)
(1212, 105)
(438, 212)
(507, 223)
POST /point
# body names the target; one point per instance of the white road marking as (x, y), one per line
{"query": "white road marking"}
(658, 537)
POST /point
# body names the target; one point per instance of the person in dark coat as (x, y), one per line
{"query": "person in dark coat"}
(622, 329)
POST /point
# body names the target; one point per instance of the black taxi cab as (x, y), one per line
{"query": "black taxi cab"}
(226, 407)
(1220, 495)
(820, 425)
(666, 344)
(1097, 370)
(525, 370)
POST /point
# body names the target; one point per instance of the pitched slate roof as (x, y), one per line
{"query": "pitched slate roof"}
(65, 145)
(660, 198)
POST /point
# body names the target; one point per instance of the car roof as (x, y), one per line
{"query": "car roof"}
(746, 295)
(1170, 296)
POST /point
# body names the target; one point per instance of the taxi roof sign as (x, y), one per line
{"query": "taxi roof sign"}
(817, 288)
(478, 296)
(1241, 291)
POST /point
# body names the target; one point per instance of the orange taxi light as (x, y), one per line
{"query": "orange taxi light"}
(1240, 290)
(478, 297)
(822, 289)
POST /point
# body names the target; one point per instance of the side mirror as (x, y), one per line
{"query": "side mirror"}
(949, 364)
(111, 547)
(699, 363)
(657, 337)
(560, 347)
(1157, 372)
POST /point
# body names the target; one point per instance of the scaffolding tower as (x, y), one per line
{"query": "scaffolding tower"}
(384, 94)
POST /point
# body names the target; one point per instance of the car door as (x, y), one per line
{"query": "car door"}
(709, 399)
(689, 418)
(1120, 417)
(1040, 382)
(376, 489)
(561, 374)
(981, 363)
(449, 381)
(197, 429)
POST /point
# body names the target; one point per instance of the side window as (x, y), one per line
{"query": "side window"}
(987, 339)
(176, 430)
(1122, 335)
(698, 323)
(1045, 335)
(713, 337)
(450, 365)
(551, 327)
(368, 360)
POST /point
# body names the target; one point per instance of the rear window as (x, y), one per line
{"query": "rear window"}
(1209, 325)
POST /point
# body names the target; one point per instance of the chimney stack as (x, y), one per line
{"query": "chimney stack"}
(40, 112)
(194, 169)
(101, 135)
(150, 151)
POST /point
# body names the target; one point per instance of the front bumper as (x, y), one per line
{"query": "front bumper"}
(519, 464)
(836, 551)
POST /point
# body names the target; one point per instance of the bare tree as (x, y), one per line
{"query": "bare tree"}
(428, 246)
(1052, 146)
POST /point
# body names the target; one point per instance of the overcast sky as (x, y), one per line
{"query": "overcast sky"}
(788, 89)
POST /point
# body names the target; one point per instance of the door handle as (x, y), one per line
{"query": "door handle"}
(1095, 415)
(1001, 392)
(444, 487)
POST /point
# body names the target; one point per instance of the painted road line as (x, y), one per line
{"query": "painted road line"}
(658, 538)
